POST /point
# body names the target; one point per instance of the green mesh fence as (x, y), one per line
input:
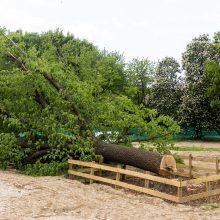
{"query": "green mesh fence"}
(188, 133)
(185, 133)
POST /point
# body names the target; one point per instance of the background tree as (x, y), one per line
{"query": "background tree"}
(213, 70)
(213, 73)
(139, 77)
(166, 90)
(195, 109)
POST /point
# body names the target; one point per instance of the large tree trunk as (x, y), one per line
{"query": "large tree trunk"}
(150, 161)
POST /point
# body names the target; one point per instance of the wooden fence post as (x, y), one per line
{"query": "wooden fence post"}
(71, 168)
(118, 174)
(92, 173)
(209, 188)
(123, 175)
(100, 161)
(190, 166)
(180, 190)
(217, 165)
(146, 182)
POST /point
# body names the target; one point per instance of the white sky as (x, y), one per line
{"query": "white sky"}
(136, 28)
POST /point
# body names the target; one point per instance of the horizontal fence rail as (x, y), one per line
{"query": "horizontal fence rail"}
(194, 170)
(92, 167)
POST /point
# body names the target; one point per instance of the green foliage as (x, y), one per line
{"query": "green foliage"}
(41, 127)
(46, 169)
(166, 90)
(179, 160)
(9, 152)
(210, 149)
(213, 73)
(194, 110)
(160, 147)
(215, 205)
(139, 77)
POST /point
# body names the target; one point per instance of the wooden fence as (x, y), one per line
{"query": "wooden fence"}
(208, 166)
(93, 172)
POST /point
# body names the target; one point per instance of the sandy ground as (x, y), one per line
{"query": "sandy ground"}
(205, 144)
(202, 144)
(25, 197)
(58, 198)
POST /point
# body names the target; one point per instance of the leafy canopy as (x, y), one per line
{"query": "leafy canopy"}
(55, 90)
(213, 73)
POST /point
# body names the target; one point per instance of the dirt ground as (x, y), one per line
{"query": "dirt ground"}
(205, 144)
(58, 198)
(202, 144)
(25, 197)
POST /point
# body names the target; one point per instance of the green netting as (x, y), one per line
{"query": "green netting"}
(185, 133)
(188, 133)
(135, 134)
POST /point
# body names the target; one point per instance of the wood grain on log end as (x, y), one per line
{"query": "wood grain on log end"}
(167, 165)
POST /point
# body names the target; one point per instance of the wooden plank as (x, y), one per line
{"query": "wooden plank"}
(195, 175)
(146, 182)
(195, 168)
(202, 179)
(200, 195)
(91, 173)
(203, 168)
(217, 165)
(127, 185)
(100, 161)
(127, 172)
(180, 190)
(181, 174)
(70, 168)
(190, 166)
(123, 175)
(182, 166)
(208, 189)
(85, 170)
(205, 159)
(118, 176)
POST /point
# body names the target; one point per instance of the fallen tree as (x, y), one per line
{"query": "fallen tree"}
(53, 92)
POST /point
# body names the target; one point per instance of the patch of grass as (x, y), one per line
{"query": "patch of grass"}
(196, 149)
(179, 160)
(215, 205)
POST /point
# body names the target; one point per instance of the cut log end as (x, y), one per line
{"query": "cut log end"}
(167, 165)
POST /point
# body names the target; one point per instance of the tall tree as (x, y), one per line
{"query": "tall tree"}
(166, 90)
(139, 74)
(195, 109)
(213, 70)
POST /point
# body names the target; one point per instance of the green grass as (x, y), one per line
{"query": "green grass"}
(196, 149)
(215, 205)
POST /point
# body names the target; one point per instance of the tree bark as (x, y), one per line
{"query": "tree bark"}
(129, 156)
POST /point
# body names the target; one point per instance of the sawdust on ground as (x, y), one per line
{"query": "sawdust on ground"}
(25, 197)
(198, 143)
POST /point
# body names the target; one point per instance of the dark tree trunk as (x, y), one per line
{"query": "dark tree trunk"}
(130, 156)
(150, 161)
(198, 133)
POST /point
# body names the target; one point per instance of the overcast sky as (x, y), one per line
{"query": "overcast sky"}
(136, 28)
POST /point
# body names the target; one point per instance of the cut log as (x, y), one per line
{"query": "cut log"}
(154, 162)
